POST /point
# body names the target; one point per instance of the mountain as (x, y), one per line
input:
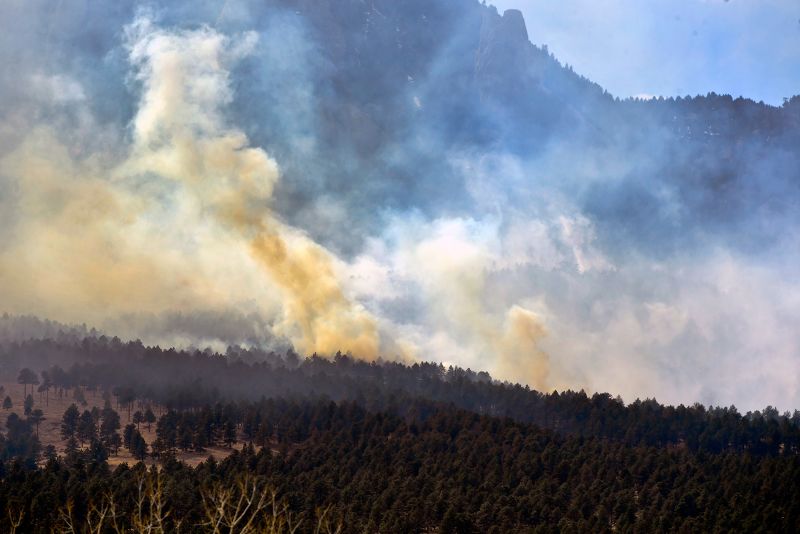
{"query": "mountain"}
(363, 102)
(383, 266)
(453, 177)
(399, 86)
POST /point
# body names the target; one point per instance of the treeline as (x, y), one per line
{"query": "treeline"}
(23, 327)
(187, 380)
(723, 117)
(433, 468)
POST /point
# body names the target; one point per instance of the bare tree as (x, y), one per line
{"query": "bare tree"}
(15, 513)
(98, 514)
(65, 515)
(324, 525)
(150, 514)
(102, 516)
(245, 508)
(279, 520)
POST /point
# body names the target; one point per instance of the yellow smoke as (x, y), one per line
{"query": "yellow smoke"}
(180, 134)
(451, 265)
(181, 221)
(519, 356)
(316, 305)
(68, 254)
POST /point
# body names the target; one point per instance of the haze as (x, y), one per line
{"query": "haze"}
(434, 189)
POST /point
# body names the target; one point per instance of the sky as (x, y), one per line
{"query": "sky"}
(673, 47)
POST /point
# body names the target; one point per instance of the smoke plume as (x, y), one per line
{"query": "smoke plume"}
(395, 179)
(180, 134)
(182, 221)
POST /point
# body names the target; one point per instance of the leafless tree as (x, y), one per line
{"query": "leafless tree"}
(15, 514)
(324, 525)
(65, 514)
(245, 507)
(150, 513)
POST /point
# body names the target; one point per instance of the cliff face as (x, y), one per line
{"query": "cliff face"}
(459, 61)
(367, 104)
(391, 90)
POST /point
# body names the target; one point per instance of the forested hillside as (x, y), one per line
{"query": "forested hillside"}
(448, 471)
(376, 447)
(188, 380)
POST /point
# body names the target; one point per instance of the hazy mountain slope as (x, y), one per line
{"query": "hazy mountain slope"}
(405, 85)
(456, 178)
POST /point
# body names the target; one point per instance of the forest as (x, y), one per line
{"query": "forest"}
(342, 445)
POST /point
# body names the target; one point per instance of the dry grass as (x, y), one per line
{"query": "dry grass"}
(50, 428)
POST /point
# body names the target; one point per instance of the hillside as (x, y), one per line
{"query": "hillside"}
(189, 380)
(389, 447)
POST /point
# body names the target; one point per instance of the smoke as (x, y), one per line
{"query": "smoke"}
(338, 176)
(180, 134)
(201, 329)
(519, 353)
(446, 264)
(183, 221)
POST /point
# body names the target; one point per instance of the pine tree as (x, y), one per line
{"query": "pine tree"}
(98, 452)
(185, 440)
(167, 431)
(71, 448)
(69, 422)
(87, 430)
(28, 405)
(138, 446)
(127, 435)
(50, 453)
(149, 418)
(36, 417)
(108, 428)
(138, 417)
(229, 433)
(27, 376)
